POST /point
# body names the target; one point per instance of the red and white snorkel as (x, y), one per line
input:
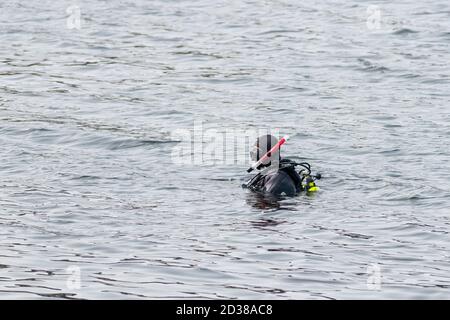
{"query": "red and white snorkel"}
(268, 154)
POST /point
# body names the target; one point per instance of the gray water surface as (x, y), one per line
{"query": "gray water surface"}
(87, 182)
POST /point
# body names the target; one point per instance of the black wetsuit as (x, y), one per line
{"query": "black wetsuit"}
(283, 182)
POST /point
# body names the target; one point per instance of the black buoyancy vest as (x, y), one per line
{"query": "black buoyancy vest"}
(285, 181)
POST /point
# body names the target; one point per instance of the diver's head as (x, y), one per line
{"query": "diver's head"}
(262, 145)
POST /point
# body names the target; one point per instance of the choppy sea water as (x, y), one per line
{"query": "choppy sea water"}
(92, 205)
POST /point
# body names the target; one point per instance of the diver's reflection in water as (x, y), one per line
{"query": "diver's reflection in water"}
(263, 202)
(267, 203)
(270, 202)
(265, 223)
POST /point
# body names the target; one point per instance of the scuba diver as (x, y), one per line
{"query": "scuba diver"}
(277, 176)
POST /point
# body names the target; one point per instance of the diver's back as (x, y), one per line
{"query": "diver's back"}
(277, 183)
(280, 183)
